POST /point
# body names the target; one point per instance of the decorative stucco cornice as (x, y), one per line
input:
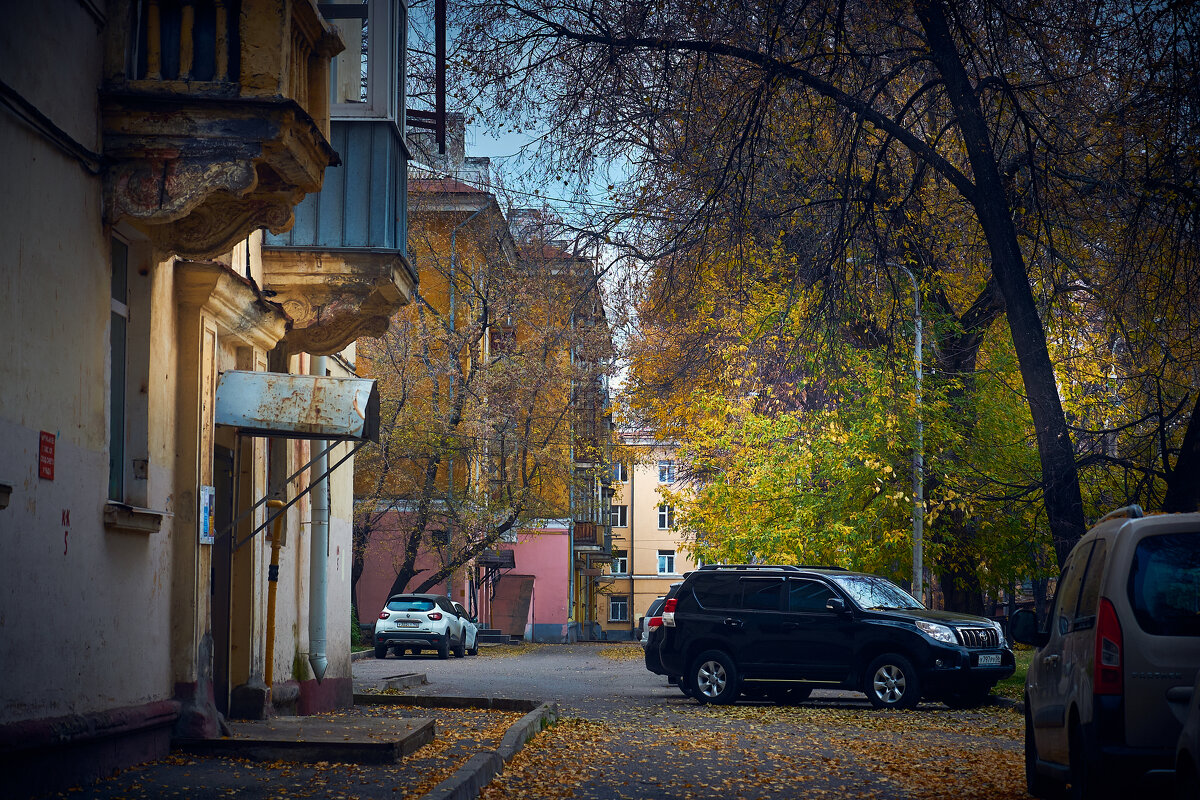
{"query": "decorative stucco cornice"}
(336, 296)
(234, 303)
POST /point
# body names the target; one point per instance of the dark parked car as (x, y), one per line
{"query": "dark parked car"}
(779, 631)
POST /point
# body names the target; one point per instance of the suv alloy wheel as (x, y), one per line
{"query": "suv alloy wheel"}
(713, 678)
(892, 682)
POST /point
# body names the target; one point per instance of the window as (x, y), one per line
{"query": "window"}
(618, 608)
(666, 471)
(365, 79)
(761, 595)
(666, 562)
(666, 517)
(1164, 584)
(620, 516)
(808, 596)
(620, 565)
(1066, 599)
(118, 346)
(620, 473)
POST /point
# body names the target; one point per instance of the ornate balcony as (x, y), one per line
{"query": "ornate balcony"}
(215, 122)
(343, 271)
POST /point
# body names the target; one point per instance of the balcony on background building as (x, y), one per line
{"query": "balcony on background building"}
(215, 117)
(342, 270)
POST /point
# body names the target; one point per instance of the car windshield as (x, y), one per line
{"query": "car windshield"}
(869, 591)
(409, 604)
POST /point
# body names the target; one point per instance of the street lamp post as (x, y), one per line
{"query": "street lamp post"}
(918, 459)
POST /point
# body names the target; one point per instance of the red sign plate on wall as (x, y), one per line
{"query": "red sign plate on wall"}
(46, 456)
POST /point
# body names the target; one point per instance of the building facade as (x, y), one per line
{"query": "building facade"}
(647, 548)
(148, 147)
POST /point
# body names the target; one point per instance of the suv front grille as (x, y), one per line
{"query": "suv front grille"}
(979, 638)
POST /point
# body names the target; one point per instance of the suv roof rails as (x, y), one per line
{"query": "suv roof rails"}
(1132, 511)
(785, 567)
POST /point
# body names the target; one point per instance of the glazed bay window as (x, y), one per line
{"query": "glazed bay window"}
(620, 564)
(620, 516)
(365, 79)
(666, 518)
(666, 471)
(618, 608)
(666, 562)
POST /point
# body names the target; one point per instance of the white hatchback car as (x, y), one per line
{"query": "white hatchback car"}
(1107, 691)
(419, 622)
(470, 630)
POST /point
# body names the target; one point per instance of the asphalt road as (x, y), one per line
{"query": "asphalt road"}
(627, 733)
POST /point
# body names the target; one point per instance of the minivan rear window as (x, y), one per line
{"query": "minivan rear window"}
(1164, 584)
(405, 604)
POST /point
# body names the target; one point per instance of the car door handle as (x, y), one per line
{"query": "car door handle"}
(733, 623)
(1050, 661)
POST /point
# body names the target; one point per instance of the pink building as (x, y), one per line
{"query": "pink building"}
(526, 594)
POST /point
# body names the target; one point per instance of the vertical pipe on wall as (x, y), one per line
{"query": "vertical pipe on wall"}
(319, 552)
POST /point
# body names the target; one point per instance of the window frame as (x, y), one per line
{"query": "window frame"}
(615, 600)
(669, 563)
(666, 514)
(618, 515)
(118, 384)
(620, 564)
(666, 470)
(385, 64)
(620, 472)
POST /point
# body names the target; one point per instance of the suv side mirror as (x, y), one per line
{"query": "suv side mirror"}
(836, 605)
(1023, 628)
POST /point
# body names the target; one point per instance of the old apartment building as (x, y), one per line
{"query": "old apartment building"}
(191, 241)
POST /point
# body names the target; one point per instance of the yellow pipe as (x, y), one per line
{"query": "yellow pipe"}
(272, 584)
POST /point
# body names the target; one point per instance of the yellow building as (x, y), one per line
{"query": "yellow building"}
(647, 548)
(148, 146)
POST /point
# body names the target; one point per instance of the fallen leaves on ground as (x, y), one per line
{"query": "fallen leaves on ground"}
(622, 652)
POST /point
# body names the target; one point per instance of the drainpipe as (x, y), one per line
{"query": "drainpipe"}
(319, 552)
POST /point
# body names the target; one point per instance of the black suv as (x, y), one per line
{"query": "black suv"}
(779, 631)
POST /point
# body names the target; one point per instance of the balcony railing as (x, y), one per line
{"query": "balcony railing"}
(216, 117)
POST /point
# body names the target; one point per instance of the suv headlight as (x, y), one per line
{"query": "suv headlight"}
(999, 632)
(942, 633)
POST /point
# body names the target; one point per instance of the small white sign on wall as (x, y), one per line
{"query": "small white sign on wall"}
(208, 514)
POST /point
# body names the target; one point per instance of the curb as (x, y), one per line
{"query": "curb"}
(468, 780)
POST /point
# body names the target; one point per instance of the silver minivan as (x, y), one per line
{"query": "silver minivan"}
(1107, 691)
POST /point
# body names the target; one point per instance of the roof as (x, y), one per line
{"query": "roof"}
(447, 185)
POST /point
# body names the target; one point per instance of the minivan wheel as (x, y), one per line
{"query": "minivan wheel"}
(1037, 783)
(1085, 782)
(713, 678)
(892, 682)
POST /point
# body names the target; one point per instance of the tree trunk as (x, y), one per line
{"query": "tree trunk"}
(1183, 481)
(1060, 481)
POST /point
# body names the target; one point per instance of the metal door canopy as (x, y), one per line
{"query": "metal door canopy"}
(298, 406)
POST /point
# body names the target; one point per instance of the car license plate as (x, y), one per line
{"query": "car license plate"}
(407, 623)
(989, 659)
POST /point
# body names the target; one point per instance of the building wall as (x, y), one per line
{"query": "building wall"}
(58, 565)
(642, 539)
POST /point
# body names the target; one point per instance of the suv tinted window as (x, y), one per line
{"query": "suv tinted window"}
(804, 595)
(871, 591)
(761, 595)
(1164, 584)
(718, 591)
(409, 604)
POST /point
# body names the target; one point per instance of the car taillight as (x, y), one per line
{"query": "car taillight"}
(654, 622)
(383, 615)
(668, 613)
(1107, 678)
(435, 615)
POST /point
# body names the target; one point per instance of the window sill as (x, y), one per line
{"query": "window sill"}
(123, 518)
